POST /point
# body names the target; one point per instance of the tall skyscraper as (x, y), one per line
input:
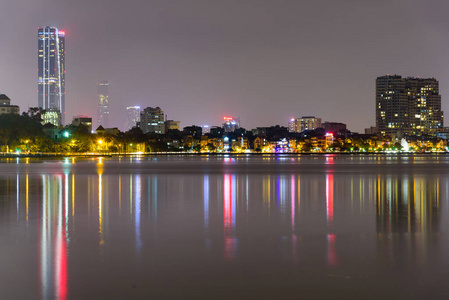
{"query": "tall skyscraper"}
(103, 104)
(152, 120)
(51, 70)
(410, 105)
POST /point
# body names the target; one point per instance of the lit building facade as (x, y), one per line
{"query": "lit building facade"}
(206, 129)
(51, 70)
(409, 105)
(52, 116)
(424, 101)
(103, 104)
(309, 123)
(152, 120)
(133, 116)
(292, 125)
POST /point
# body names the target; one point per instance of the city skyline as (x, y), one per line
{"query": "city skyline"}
(263, 61)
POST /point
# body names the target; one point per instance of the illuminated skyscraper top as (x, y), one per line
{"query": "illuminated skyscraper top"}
(51, 69)
(103, 104)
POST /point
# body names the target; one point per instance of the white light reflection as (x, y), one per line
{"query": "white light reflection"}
(137, 211)
(17, 194)
(206, 201)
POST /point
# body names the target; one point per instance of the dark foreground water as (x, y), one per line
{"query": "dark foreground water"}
(285, 227)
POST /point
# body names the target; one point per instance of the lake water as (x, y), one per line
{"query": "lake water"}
(247, 227)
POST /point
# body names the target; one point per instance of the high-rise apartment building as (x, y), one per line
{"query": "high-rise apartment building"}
(410, 105)
(152, 120)
(292, 125)
(103, 104)
(51, 70)
(304, 123)
(132, 117)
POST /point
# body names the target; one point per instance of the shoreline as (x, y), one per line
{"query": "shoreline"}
(85, 155)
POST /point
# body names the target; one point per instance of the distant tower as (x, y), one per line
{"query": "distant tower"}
(103, 104)
(133, 116)
(51, 70)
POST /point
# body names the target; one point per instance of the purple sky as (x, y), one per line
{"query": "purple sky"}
(264, 61)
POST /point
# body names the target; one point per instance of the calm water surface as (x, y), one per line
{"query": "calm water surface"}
(274, 227)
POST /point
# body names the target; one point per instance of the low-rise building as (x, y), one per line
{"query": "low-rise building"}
(171, 125)
(6, 107)
(83, 120)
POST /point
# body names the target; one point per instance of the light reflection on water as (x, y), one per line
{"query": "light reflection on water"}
(133, 218)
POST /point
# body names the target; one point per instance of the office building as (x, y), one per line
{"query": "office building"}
(152, 120)
(408, 105)
(103, 104)
(132, 117)
(51, 70)
(6, 107)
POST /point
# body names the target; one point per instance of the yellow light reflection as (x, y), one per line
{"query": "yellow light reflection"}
(120, 195)
(27, 197)
(100, 207)
(73, 195)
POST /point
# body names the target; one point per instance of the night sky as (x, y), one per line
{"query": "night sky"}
(264, 61)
